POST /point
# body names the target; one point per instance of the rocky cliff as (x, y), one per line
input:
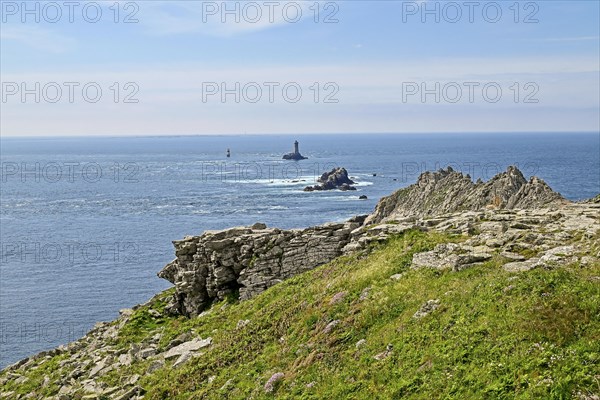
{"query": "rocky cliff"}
(446, 191)
(249, 260)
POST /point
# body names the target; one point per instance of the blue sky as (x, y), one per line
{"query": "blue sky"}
(373, 53)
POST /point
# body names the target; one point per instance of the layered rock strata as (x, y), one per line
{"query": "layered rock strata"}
(248, 260)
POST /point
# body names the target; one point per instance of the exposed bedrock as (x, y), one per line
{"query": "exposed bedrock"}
(249, 260)
(446, 191)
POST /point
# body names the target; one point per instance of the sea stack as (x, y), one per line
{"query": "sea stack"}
(336, 179)
(295, 155)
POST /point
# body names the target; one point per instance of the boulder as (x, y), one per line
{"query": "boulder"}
(521, 266)
(337, 178)
(192, 345)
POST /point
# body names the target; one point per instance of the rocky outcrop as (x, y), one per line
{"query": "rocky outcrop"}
(294, 155)
(248, 260)
(594, 200)
(337, 178)
(450, 256)
(85, 363)
(447, 191)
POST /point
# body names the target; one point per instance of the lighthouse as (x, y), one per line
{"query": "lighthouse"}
(295, 155)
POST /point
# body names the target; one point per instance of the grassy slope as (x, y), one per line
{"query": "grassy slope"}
(496, 335)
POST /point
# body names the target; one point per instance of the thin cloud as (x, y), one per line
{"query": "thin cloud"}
(171, 98)
(572, 39)
(37, 38)
(164, 18)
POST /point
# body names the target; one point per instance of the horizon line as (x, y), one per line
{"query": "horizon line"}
(285, 134)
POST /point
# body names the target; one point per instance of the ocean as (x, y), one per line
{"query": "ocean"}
(86, 223)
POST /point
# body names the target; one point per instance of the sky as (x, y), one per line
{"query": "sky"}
(276, 67)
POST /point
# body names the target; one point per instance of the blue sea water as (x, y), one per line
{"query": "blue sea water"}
(86, 223)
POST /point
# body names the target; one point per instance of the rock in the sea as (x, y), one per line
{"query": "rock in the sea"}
(337, 178)
(294, 155)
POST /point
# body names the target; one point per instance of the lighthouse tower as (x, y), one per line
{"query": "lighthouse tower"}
(295, 155)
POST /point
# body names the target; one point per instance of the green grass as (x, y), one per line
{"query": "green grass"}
(35, 382)
(496, 335)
